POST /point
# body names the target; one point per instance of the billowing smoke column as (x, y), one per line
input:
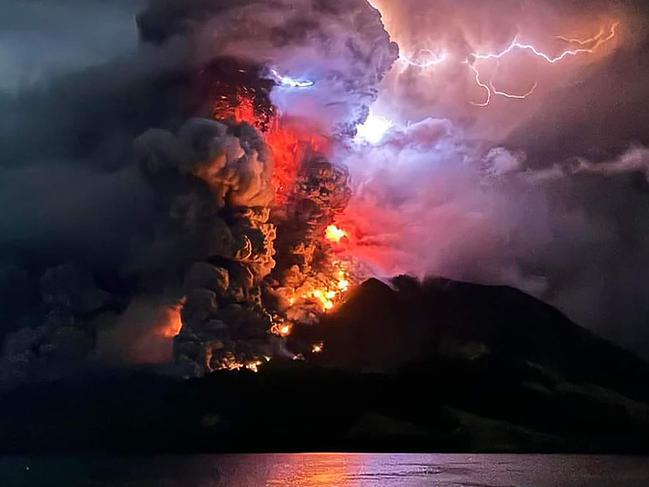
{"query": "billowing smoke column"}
(261, 186)
(336, 50)
(222, 214)
(182, 193)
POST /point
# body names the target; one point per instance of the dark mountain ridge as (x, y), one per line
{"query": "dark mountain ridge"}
(432, 366)
(382, 326)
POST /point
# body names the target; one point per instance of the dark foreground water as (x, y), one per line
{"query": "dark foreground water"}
(328, 470)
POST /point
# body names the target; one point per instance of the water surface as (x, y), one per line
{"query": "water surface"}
(328, 470)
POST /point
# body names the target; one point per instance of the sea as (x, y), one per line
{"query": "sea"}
(327, 470)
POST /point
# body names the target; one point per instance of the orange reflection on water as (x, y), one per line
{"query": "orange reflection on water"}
(318, 470)
(292, 470)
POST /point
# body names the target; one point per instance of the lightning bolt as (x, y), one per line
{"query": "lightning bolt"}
(289, 82)
(482, 85)
(599, 40)
(511, 95)
(583, 42)
(490, 89)
(587, 46)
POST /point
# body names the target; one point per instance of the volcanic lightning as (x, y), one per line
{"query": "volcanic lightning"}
(593, 42)
(427, 58)
(279, 260)
(598, 40)
(373, 130)
(490, 89)
(290, 82)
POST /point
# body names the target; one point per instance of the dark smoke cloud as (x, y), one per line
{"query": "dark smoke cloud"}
(339, 45)
(108, 172)
(40, 39)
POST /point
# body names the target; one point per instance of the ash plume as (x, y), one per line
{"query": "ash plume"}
(163, 201)
(292, 37)
(222, 223)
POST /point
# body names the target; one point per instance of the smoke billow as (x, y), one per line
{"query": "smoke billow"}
(219, 220)
(342, 45)
(135, 187)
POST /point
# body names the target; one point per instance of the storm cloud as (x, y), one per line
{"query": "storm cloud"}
(548, 194)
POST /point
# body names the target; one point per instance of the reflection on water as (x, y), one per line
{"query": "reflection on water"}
(329, 470)
(401, 470)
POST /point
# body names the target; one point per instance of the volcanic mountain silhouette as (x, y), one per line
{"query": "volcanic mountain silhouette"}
(433, 366)
(386, 326)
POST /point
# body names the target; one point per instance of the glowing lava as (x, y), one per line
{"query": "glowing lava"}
(331, 292)
(229, 362)
(288, 142)
(281, 329)
(335, 234)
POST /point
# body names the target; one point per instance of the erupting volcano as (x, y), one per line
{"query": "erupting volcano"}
(267, 167)
(286, 141)
(305, 272)
(433, 209)
(270, 157)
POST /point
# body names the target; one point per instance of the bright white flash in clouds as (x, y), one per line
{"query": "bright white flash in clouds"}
(290, 82)
(425, 58)
(373, 130)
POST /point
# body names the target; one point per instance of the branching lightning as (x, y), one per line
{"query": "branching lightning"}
(491, 89)
(583, 42)
(515, 44)
(289, 82)
(512, 95)
(482, 85)
(588, 46)
(585, 46)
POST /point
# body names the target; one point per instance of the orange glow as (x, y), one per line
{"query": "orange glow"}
(282, 329)
(335, 234)
(328, 290)
(288, 143)
(317, 347)
(171, 321)
(287, 154)
(229, 362)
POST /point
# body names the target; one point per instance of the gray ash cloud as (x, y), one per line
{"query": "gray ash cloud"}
(122, 197)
